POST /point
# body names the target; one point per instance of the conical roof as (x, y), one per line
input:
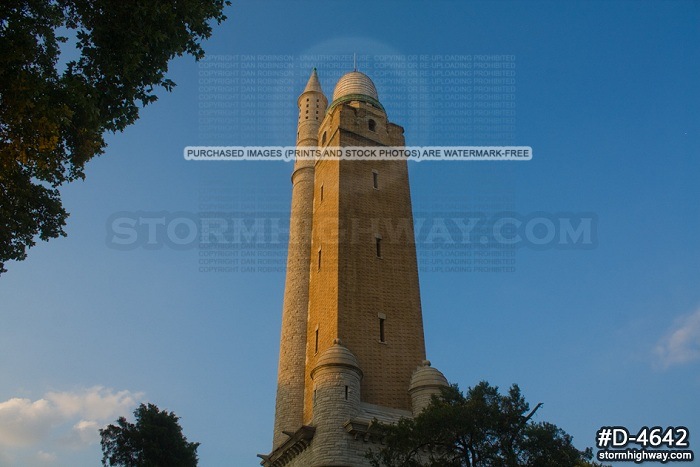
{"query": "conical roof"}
(313, 84)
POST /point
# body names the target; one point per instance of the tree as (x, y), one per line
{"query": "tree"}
(155, 440)
(53, 115)
(481, 429)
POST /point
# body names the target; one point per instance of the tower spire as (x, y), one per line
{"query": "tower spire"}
(313, 85)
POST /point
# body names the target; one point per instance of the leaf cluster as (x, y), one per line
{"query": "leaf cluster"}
(480, 429)
(155, 440)
(54, 109)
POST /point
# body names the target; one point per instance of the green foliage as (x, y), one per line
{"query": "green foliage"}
(52, 122)
(481, 429)
(155, 440)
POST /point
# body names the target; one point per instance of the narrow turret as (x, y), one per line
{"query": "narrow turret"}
(290, 380)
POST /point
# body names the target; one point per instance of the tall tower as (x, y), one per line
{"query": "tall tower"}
(352, 346)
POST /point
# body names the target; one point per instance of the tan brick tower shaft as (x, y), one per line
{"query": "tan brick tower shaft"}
(364, 274)
(291, 376)
(352, 348)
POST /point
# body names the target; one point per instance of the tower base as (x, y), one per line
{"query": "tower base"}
(351, 441)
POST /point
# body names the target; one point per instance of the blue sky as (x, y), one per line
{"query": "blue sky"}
(606, 95)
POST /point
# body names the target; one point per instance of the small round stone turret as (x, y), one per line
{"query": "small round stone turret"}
(336, 399)
(425, 382)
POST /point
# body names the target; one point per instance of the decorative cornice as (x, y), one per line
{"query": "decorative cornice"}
(295, 445)
(364, 430)
(355, 97)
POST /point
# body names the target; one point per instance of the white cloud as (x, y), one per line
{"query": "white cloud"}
(83, 433)
(24, 422)
(682, 343)
(96, 403)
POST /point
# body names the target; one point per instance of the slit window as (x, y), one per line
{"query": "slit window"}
(316, 342)
(346, 393)
(378, 245)
(372, 125)
(319, 259)
(321, 194)
(375, 179)
(382, 329)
